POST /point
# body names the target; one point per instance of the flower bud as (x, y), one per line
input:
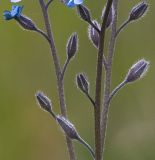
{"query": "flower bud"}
(138, 11)
(82, 83)
(67, 127)
(84, 13)
(26, 23)
(72, 45)
(93, 34)
(110, 16)
(137, 71)
(43, 101)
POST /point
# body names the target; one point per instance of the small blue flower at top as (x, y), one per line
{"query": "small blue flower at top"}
(73, 3)
(15, 1)
(14, 13)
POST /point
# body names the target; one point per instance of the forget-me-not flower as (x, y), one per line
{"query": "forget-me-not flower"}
(14, 13)
(73, 3)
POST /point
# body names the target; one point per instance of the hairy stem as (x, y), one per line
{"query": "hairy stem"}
(122, 27)
(107, 83)
(43, 34)
(60, 84)
(64, 68)
(87, 146)
(90, 98)
(97, 109)
(114, 92)
(48, 3)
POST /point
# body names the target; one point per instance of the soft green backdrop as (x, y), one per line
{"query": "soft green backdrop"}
(27, 133)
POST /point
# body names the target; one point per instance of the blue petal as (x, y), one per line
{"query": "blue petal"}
(71, 4)
(7, 15)
(16, 11)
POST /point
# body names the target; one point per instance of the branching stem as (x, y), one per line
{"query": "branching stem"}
(43, 34)
(113, 93)
(48, 3)
(97, 109)
(122, 27)
(93, 25)
(87, 146)
(107, 82)
(60, 84)
(91, 99)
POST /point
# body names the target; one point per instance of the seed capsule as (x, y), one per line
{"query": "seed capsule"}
(67, 127)
(43, 101)
(93, 34)
(26, 23)
(82, 83)
(138, 11)
(72, 45)
(137, 71)
(84, 13)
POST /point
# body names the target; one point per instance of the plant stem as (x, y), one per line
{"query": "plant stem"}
(107, 83)
(113, 93)
(53, 114)
(87, 146)
(64, 68)
(122, 27)
(43, 34)
(48, 3)
(93, 25)
(60, 84)
(97, 109)
(91, 99)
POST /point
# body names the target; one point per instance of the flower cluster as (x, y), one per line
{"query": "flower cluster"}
(16, 10)
(14, 13)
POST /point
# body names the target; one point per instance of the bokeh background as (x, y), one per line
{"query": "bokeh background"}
(28, 133)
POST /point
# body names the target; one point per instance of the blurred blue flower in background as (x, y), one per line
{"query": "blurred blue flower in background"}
(14, 13)
(15, 1)
(73, 3)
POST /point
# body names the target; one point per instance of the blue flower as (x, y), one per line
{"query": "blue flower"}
(73, 3)
(14, 13)
(15, 1)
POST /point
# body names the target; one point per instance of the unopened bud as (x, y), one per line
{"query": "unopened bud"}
(84, 13)
(43, 101)
(137, 71)
(67, 127)
(26, 23)
(138, 11)
(72, 45)
(93, 34)
(110, 16)
(82, 83)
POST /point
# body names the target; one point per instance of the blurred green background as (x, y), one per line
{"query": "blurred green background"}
(28, 133)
